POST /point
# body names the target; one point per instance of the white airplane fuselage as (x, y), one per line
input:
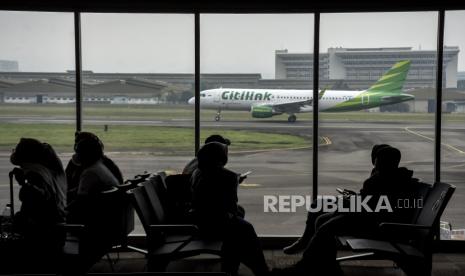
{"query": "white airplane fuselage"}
(245, 99)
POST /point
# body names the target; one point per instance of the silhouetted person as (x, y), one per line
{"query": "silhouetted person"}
(42, 195)
(193, 164)
(94, 178)
(388, 180)
(215, 210)
(303, 241)
(74, 169)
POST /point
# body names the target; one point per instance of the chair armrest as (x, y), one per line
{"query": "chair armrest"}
(70, 226)
(75, 230)
(402, 226)
(402, 231)
(180, 229)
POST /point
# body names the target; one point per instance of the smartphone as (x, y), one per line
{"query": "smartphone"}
(245, 174)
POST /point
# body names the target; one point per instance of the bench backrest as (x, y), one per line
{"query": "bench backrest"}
(421, 192)
(434, 204)
(156, 194)
(143, 207)
(179, 194)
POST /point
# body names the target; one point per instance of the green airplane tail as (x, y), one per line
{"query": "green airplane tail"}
(393, 80)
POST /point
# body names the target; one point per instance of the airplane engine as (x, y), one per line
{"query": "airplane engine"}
(306, 108)
(263, 112)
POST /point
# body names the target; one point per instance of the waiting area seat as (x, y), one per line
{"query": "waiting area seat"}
(110, 219)
(408, 245)
(166, 241)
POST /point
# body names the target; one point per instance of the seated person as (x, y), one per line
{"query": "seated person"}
(215, 210)
(388, 180)
(310, 225)
(193, 164)
(74, 170)
(42, 195)
(95, 177)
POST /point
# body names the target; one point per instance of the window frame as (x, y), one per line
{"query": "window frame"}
(197, 9)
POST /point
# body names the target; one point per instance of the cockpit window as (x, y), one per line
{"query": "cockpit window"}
(202, 95)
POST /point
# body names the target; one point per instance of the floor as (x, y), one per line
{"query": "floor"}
(443, 264)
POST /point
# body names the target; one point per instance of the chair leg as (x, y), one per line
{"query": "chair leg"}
(110, 261)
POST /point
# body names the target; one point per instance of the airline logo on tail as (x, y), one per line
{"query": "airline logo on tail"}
(393, 80)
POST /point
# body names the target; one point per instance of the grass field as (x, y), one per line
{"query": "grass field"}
(169, 140)
(149, 139)
(180, 112)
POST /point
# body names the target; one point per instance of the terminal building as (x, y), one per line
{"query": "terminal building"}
(340, 69)
(9, 66)
(461, 80)
(360, 67)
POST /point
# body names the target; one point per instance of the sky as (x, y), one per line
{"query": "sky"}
(230, 43)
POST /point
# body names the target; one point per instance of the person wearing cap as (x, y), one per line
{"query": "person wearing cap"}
(215, 210)
(193, 164)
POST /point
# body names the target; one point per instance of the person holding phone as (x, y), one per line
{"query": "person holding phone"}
(312, 218)
(387, 179)
(215, 210)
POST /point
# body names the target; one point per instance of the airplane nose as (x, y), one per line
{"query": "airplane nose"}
(191, 100)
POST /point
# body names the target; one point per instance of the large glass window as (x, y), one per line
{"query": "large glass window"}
(249, 92)
(380, 90)
(138, 77)
(37, 89)
(377, 80)
(453, 130)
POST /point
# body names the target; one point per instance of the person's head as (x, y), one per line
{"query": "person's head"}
(217, 138)
(83, 135)
(375, 150)
(212, 155)
(387, 159)
(88, 148)
(28, 150)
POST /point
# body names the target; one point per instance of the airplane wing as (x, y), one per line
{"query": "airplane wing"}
(290, 106)
(294, 106)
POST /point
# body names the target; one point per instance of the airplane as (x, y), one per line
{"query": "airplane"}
(265, 103)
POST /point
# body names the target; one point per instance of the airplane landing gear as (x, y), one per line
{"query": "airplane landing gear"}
(292, 118)
(218, 116)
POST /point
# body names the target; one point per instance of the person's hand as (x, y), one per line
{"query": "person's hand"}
(242, 178)
(19, 176)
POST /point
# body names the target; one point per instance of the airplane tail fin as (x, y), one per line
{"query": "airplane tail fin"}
(393, 80)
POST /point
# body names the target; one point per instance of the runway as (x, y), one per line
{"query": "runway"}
(343, 162)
